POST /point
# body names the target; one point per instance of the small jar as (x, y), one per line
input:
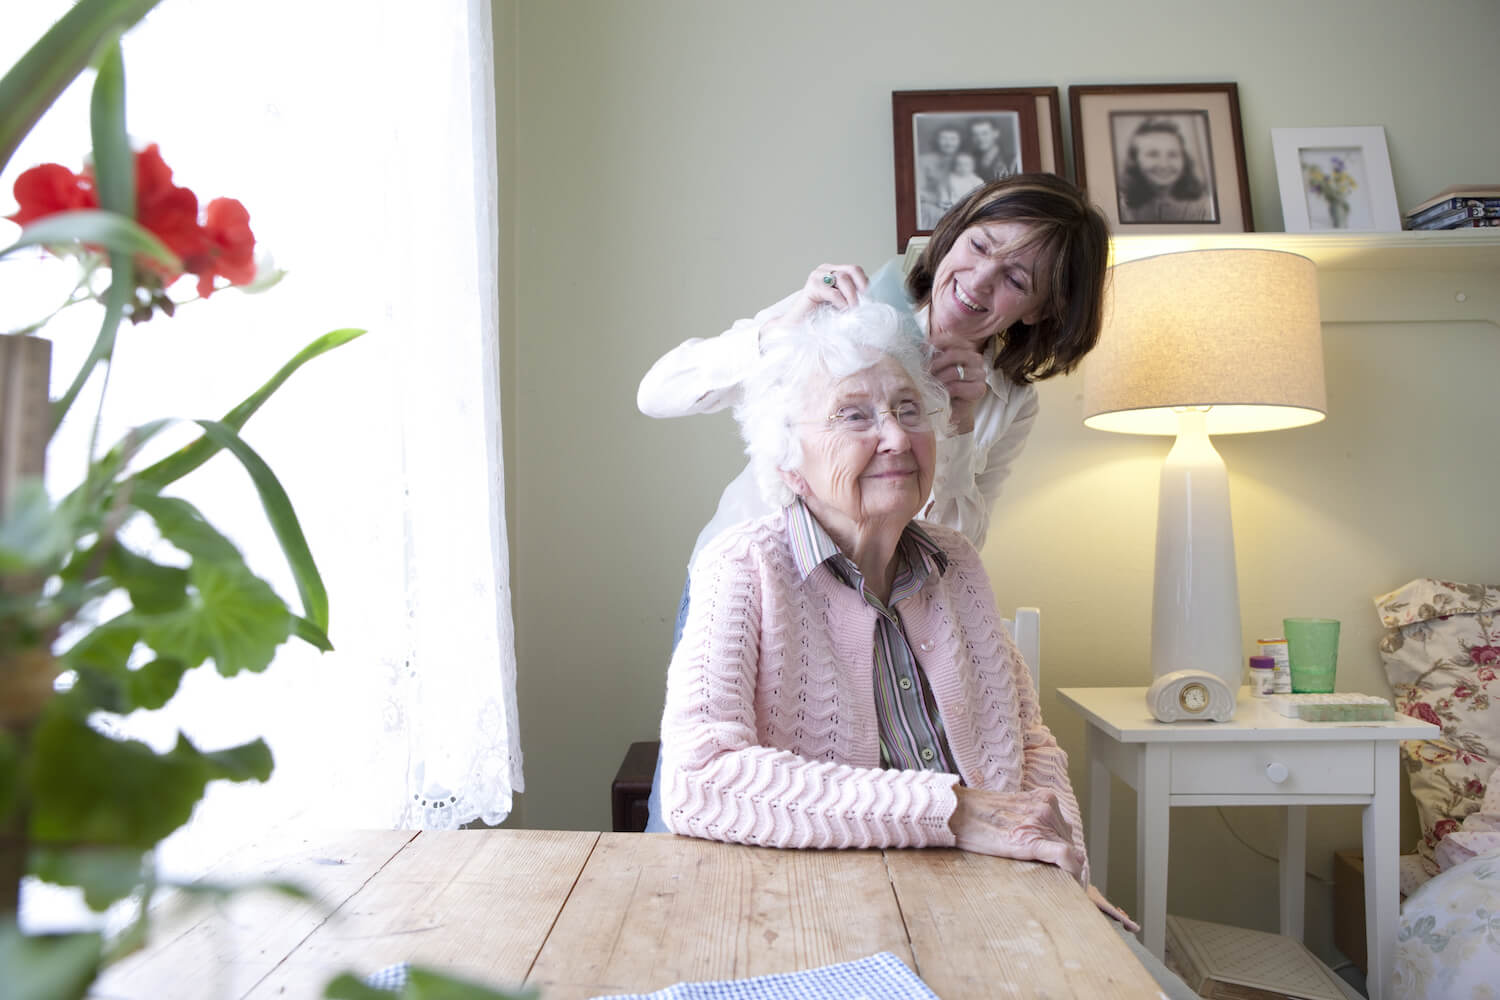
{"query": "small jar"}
(1262, 676)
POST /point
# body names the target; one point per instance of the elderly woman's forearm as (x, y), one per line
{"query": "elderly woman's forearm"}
(773, 798)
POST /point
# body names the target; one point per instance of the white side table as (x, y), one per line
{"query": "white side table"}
(1259, 758)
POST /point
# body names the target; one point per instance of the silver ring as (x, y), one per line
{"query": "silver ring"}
(830, 278)
(962, 375)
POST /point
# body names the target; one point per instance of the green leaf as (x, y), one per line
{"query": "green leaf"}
(188, 458)
(182, 525)
(311, 634)
(10, 770)
(231, 615)
(105, 874)
(47, 967)
(283, 521)
(105, 647)
(114, 164)
(33, 534)
(30, 87)
(152, 685)
(96, 227)
(154, 589)
(121, 292)
(234, 619)
(88, 788)
(114, 169)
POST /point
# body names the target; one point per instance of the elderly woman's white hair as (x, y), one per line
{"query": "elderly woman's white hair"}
(838, 343)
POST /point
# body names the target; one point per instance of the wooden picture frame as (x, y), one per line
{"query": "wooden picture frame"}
(1162, 157)
(1335, 180)
(1001, 132)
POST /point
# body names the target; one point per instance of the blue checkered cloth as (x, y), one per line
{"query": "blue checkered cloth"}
(882, 976)
(392, 978)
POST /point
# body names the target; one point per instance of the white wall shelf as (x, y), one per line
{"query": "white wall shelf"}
(1450, 276)
(1442, 250)
(1444, 276)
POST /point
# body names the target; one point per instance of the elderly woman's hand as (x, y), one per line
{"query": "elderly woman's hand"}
(1026, 826)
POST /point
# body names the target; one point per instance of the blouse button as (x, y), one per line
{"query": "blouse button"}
(925, 647)
(927, 753)
(905, 683)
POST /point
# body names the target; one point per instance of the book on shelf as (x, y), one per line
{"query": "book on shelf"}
(1448, 220)
(1458, 192)
(1454, 208)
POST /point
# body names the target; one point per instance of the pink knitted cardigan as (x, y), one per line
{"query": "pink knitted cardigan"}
(769, 734)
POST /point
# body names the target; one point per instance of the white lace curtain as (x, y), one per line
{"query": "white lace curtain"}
(360, 136)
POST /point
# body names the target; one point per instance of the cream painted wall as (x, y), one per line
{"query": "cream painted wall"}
(678, 164)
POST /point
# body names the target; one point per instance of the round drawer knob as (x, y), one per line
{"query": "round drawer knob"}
(1277, 772)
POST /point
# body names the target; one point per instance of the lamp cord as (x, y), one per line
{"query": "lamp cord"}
(1255, 850)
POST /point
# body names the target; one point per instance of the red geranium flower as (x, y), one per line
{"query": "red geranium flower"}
(222, 245)
(169, 211)
(1422, 710)
(228, 247)
(49, 189)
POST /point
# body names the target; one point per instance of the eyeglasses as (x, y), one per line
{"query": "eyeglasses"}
(864, 419)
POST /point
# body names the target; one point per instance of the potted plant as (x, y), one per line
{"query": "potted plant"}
(80, 806)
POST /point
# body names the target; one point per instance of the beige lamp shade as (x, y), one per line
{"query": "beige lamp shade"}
(1234, 331)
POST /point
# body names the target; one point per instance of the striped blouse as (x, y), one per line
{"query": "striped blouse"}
(911, 728)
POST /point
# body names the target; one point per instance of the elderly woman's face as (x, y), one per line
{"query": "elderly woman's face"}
(861, 475)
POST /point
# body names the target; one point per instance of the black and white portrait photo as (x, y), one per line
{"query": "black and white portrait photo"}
(958, 152)
(1164, 165)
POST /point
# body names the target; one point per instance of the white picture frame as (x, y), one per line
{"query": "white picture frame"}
(1335, 180)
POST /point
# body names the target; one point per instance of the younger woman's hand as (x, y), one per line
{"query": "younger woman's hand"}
(962, 371)
(847, 285)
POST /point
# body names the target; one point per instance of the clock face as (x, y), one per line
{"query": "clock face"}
(1193, 697)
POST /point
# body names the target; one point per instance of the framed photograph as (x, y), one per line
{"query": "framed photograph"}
(1162, 157)
(1335, 180)
(948, 142)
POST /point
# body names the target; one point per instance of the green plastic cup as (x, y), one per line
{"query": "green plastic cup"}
(1312, 649)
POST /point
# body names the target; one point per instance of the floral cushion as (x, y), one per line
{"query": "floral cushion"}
(1448, 941)
(1442, 655)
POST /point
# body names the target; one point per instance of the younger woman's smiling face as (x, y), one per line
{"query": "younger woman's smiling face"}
(982, 286)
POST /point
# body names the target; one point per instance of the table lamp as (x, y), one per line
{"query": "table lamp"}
(1199, 343)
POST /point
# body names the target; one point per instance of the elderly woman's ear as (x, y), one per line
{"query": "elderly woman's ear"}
(794, 481)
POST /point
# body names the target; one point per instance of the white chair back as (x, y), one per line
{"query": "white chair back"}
(1026, 631)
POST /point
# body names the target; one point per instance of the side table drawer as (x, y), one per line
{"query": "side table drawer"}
(1251, 769)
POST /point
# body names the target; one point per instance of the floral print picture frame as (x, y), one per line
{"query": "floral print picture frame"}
(1335, 180)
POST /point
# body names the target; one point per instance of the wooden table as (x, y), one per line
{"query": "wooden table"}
(585, 914)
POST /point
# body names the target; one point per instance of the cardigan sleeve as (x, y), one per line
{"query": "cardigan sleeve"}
(719, 783)
(1044, 763)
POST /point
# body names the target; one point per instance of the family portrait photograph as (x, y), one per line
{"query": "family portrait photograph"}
(956, 153)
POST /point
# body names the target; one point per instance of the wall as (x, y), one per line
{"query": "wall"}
(680, 164)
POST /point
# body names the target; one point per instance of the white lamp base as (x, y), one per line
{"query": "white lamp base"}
(1195, 611)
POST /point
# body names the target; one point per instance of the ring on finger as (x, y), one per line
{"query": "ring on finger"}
(830, 278)
(962, 375)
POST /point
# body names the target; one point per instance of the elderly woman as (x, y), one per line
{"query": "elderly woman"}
(843, 678)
